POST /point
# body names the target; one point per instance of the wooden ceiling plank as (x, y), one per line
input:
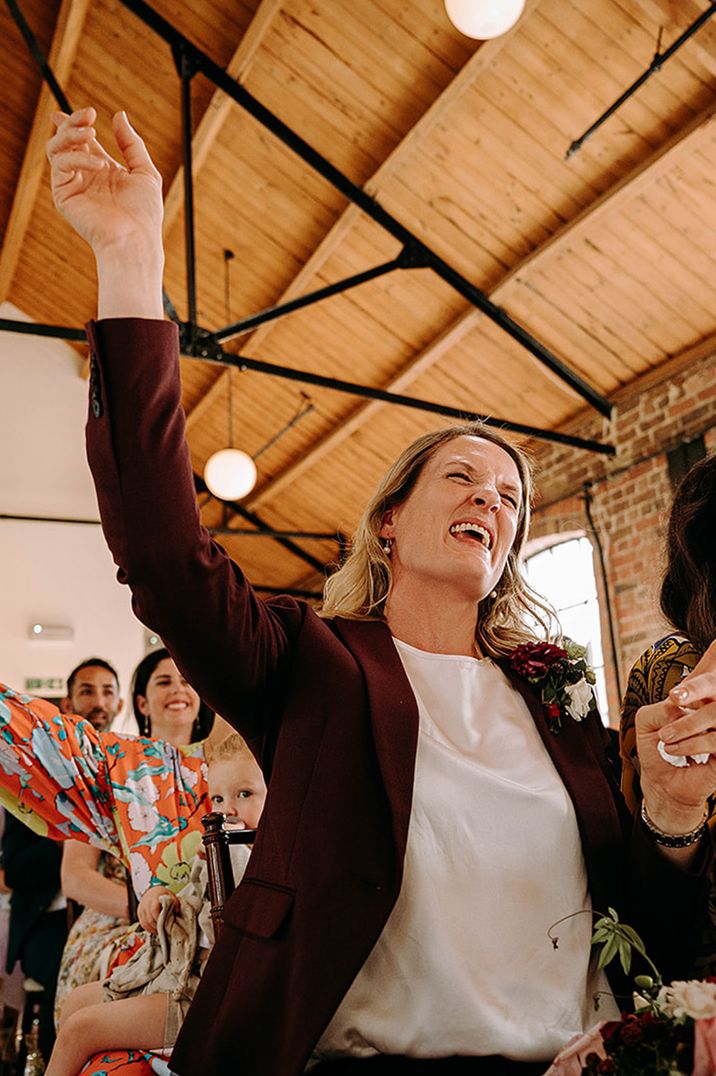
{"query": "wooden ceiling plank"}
(633, 184)
(430, 355)
(220, 106)
(484, 57)
(65, 41)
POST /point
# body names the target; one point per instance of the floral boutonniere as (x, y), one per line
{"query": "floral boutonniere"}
(563, 677)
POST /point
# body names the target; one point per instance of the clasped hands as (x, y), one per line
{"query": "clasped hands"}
(675, 797)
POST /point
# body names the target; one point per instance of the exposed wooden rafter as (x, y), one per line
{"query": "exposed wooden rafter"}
(220, 106)
(486, 55)
(66, 38)
(629, 187)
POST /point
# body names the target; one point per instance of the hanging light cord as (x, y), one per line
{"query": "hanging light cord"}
(304, 408)
(228, 257)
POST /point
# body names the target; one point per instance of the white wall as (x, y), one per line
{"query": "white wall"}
(53, 572)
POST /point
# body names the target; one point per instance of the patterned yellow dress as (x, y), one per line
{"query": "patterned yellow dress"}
(140, 800)
(660, 668)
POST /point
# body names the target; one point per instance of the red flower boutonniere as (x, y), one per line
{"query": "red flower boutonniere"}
(563, 676)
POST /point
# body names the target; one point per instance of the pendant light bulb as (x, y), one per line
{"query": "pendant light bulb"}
(230, 474)
(483, 19)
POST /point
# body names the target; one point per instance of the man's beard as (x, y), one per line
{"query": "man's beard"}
(101, 719)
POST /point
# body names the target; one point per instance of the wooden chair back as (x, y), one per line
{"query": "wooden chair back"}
(216, 840)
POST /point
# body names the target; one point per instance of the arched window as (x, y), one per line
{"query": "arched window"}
(564, 574)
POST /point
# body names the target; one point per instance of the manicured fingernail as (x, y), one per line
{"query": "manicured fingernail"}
(681, 694)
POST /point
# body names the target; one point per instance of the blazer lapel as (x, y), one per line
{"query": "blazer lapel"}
(393, 713)
(573, 754)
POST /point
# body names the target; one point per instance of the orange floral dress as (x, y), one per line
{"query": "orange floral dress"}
(140, 800)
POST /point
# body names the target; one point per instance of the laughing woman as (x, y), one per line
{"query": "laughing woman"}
(409, 934)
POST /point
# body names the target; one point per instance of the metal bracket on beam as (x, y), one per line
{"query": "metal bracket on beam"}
(656, 65)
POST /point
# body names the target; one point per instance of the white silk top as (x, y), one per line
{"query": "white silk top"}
(464, 964)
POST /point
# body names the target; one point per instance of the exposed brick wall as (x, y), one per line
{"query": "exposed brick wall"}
(630, 497)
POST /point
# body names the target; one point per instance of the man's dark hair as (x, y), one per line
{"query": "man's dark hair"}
(84, 665)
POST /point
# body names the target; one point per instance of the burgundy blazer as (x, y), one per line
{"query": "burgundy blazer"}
(329, 713)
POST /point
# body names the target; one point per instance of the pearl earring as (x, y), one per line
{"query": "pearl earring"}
(387, 546)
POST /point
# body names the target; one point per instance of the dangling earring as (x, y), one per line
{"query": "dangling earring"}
(387, 546)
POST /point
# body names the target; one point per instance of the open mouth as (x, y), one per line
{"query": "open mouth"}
(474, 530)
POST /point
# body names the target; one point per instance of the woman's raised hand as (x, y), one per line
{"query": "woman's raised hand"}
(116, 207)
(686, 723)
(109, 204)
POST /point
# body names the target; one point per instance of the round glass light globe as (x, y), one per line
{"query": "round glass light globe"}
(230, 474)
(483, 19)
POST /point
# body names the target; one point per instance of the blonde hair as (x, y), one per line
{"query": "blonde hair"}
(232, 746)
(358, 590)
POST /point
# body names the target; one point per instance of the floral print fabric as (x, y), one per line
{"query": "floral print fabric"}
(140, 800)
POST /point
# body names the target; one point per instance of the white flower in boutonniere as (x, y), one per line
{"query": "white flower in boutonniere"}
(696, 999)
(581, 699)
(563, 676)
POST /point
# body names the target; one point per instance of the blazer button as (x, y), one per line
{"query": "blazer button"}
(96, 406)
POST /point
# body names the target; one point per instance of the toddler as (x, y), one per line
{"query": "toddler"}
(142, 1004)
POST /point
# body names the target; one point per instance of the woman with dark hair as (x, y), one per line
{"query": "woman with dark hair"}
(165, 704)
(431, 812)
(688, 602)
(167, 708)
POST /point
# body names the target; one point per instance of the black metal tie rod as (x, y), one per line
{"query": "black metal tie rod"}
(204, 350)
(656, 64)
(207, 350)
(251, 517)
(211, 70)
(247, 324)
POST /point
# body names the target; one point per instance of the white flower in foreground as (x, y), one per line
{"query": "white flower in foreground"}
(580, 699)
(692, 998)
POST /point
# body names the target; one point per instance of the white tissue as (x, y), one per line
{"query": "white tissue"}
(681, 760)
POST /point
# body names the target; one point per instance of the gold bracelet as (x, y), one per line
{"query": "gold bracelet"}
(668, 840)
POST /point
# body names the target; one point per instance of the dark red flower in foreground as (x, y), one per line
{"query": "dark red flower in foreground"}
(534, 660)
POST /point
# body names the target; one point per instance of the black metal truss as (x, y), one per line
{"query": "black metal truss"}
(415, 253)
(656, 64)
(199, 343)
(192, 60)
(261, 525)
(205, 348)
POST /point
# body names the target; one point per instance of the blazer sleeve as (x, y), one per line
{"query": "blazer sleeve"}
(231, 645)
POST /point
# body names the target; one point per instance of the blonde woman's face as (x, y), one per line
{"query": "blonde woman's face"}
(459, 523)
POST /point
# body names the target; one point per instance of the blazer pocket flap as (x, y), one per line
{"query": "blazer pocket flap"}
(258, 908)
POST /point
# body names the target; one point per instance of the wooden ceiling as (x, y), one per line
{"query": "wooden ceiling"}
(608, 258)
